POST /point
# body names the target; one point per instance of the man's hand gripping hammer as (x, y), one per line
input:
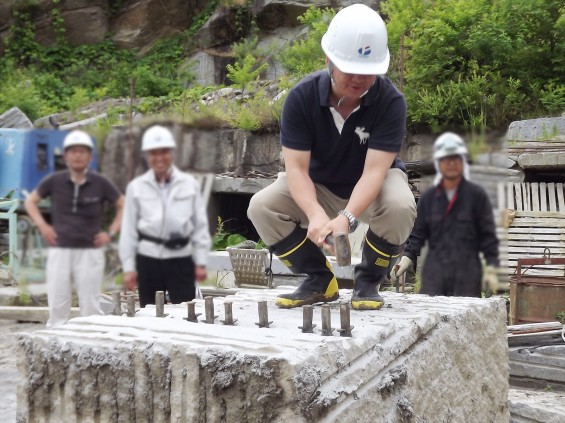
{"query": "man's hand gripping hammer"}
(342, 248)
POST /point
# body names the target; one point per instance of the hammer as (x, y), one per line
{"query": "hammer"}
(342, 249)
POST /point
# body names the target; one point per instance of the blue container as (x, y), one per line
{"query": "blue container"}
(27, 156)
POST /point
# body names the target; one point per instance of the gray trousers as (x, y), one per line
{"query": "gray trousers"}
(390, 216)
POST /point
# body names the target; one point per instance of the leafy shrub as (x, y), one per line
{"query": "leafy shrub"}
(306, 55)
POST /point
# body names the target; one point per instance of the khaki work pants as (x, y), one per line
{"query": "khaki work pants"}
(390, 216)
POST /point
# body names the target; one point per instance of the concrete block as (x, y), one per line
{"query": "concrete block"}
(419, 359)
(536, 406)
(547, 160)
(543, 363)
(536, 129)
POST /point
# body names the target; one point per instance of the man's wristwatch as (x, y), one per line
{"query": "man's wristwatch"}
(353, 222)
(111, 234)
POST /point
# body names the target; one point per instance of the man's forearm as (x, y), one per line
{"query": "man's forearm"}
(303, 192)
(31, 205)
(117, 222)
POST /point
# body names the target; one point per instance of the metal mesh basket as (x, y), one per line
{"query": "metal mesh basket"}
(249, 267)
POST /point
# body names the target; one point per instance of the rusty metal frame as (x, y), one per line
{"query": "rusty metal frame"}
(518, 278)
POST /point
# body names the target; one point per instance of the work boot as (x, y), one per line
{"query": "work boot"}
(301, 255)
(378, 258)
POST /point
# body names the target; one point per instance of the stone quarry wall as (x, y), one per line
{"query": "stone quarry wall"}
(419, 359)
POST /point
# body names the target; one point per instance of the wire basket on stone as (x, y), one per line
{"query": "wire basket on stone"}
(250, 266)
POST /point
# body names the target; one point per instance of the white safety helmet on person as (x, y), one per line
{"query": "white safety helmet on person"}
(449, 144)
(157, 137)
(356, 41)
(78, 137)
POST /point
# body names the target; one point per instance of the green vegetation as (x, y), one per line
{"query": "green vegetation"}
(480, 63)
(461, 64)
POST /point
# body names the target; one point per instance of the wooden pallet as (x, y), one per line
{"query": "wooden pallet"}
(538, 225)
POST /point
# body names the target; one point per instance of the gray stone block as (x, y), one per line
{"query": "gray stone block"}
(542, 129)
(418, 359)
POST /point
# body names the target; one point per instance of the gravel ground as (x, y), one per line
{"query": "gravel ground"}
(8, 372)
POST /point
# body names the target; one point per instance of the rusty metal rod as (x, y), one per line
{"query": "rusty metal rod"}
(130, 299)
(192, 315)
(209, 310)
(160, 304)
(326, 320)
(263, 315)
(307, 316)
(117, 301)
(229, 320)
(345, 317)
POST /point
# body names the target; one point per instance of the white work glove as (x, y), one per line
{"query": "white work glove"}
(490, 279)
(403, 266)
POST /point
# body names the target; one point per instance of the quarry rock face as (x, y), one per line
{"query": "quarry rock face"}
(419, 359)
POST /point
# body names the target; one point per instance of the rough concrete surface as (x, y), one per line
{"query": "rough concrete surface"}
(419, 359)
(527, 406)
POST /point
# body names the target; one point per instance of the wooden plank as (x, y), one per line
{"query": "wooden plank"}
(541, 214)
(510, 196)
(518, 192)
(560, 199)
(543, 196)
(537, 237)
(540, 230)
(500, 195)
(526, 196)
(551, 192)
(537, 223)
(535, 197)
(555, 250)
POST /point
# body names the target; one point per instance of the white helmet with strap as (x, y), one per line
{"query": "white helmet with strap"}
(356, 41)
(449, 144)
(78, 137)
(156, 137)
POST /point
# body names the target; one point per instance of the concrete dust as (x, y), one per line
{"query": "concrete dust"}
(8, 371)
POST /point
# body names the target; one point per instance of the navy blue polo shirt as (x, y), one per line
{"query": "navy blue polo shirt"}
(77, 210)
(337, 160)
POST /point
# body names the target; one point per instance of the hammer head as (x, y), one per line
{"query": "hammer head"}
(342, 248)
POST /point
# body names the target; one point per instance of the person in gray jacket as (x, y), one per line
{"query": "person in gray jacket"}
(165, 239)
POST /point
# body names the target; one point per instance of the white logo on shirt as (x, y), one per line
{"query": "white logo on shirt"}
(363, 136)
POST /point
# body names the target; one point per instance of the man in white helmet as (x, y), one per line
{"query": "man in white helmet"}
(165, 239)
(341, 131)
(455, 218)
(74, 234)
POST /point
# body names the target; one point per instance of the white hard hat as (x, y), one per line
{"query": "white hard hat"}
(356, 41)
(77, 137)
(157, 137)
(449, 144)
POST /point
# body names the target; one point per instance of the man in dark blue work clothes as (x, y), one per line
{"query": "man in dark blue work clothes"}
(455, 217)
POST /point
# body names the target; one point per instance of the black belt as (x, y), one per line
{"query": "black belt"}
(173, 243)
